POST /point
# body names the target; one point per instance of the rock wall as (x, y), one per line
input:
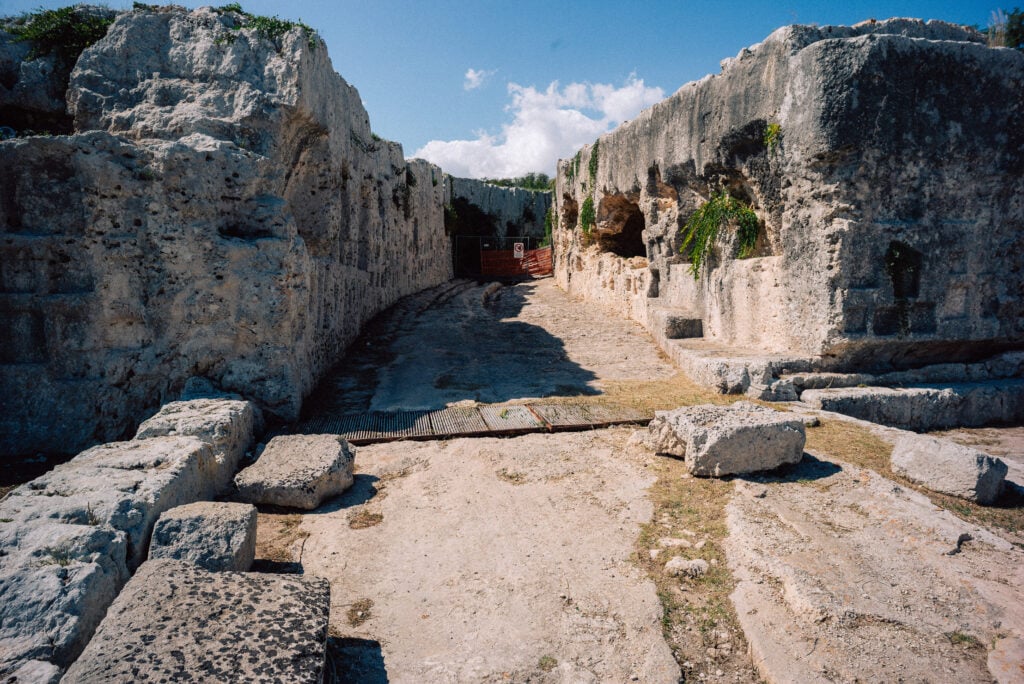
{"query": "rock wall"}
(501, 211)
(885, 163)
(222, 210)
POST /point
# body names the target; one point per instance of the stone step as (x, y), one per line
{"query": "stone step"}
(927, 407)
(675, 323)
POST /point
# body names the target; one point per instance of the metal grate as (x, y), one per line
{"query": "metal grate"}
(381, 426)
(510, 418)
(450, 422)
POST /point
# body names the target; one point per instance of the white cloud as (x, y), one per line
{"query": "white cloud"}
(546, 125)
(475, 78)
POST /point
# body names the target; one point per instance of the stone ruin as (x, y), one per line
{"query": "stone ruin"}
(885, 165)
(221, 209)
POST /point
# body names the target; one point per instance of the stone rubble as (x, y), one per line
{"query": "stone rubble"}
(298, 471)
(214, 536)
(227, 425)
(70, 539)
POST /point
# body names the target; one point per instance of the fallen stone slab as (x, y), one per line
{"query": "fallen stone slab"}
(298, 471)
(950, 468)
(214, 536)
(56, 582)
(927, 407)
(176, 622)
(226, 424)
(725, 440)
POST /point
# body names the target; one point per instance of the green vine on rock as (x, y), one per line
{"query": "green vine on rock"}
(701, 230)
(64, 33)
(587, 217)
(271, 28)
(592, 164)
(772, 133)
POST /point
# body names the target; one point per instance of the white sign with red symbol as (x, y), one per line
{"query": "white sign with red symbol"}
(518, 250)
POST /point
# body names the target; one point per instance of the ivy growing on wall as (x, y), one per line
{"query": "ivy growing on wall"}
(701, 230)
(592, 164)
(772, 134)
(587, 217)
(64, 33)
(271, 28)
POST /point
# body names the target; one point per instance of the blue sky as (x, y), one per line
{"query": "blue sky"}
(483, 72)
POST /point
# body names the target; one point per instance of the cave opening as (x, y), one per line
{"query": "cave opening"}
(621, 227)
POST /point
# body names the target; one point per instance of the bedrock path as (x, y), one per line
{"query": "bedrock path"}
(492, 559)
(487, 343)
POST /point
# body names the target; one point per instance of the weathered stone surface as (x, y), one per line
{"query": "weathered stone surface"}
(222, 210)
(926, 407)
(845, 557)
(214, 536)
(498, 211)
(725, 440)
(69, 538)
(842, 275)
(225, 424)
(298, 471)
(948, 467)
(175, 622)
(56, 581)
(124, 485)
(999, 367)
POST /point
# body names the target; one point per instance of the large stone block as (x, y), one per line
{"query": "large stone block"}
(950, 468)
(56, 581)
(726, 440)
(125, 485)
(176, 622)
(214, 536)
(225, 424)
(298, 471)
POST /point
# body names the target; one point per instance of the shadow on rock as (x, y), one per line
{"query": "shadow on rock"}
(277, 567)
(809, 468)
(352, 661)
(362, 490)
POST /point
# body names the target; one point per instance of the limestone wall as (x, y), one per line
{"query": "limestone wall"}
(506, 212)
(888, 198)
(222, 210)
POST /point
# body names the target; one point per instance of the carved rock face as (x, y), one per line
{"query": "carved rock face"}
(223, 211)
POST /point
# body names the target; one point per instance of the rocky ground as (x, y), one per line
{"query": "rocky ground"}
(543, 557)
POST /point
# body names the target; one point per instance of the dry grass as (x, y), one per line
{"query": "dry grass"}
(657, 395)
(698, 619)
(858, 445)
(359, 612)
(363, 518)
(277, 535)
(510, 476)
